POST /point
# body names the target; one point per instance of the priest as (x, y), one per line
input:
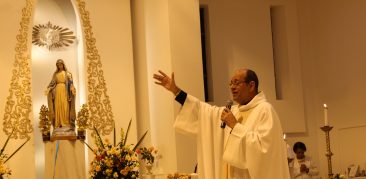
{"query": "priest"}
(239, 142)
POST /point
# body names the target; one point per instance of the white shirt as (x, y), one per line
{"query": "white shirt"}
(296, 165)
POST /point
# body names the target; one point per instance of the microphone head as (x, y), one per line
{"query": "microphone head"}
(229, 103)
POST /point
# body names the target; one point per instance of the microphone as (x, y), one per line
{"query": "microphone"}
(229, 103)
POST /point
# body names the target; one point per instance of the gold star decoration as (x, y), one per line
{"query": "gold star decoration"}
(52, 36)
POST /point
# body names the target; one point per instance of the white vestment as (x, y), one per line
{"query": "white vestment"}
(254, 148)
(295, 166)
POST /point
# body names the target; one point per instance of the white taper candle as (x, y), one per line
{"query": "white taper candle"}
(326, 122)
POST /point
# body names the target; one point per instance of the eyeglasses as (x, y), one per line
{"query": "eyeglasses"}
(236, 82)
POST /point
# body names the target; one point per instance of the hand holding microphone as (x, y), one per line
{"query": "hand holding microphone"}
(229, 103)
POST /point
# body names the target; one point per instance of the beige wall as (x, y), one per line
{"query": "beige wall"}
(166, 37)
(333, 36)
(324, 37)
(114, 44)
(241, 37)
(152, 52)
(187, 65)
(329, 36)
(10, 15)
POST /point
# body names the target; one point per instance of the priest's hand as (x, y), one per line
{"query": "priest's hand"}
(228, 117)
(167, 82)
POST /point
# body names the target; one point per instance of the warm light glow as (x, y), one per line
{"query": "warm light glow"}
(284, 136)
(325, 105)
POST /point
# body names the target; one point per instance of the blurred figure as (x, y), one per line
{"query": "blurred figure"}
(302, 166)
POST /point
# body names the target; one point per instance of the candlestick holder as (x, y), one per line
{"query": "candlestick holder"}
(328, 153)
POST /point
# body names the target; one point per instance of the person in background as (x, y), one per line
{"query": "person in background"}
(302, 167)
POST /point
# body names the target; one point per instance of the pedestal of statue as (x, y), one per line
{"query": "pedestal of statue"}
(63, 133)
(64, 159)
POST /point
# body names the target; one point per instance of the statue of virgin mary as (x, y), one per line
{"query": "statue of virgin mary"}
(61, 101)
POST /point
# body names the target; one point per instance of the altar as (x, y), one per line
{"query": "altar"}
(170, 176)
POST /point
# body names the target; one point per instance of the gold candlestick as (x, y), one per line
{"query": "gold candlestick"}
(328, 153)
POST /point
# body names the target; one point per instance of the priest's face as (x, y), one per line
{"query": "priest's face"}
(240, 89)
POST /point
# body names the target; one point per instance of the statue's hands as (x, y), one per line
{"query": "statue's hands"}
(167, 82)
(73, 90)
(47, 91)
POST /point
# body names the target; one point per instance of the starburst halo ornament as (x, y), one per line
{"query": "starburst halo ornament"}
(52, 36)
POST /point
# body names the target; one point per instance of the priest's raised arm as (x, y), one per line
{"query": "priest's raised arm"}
(249, 147)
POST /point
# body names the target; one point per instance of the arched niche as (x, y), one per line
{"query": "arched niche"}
(63, 14)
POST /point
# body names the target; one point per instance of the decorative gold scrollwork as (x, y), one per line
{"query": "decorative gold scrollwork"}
(19, 102)
(101, 116)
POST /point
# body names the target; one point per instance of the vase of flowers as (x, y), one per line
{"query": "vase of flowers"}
(115, 160)
(148, 167)
(147, 156)
(339, 176)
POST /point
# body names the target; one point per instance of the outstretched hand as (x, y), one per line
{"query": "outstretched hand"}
(167, 82)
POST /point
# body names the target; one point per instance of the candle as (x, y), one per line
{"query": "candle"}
(326, 122)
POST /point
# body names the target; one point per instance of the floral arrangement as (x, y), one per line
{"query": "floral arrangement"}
(115, 160)
(339, 176)
(147, 154)
(4, 170)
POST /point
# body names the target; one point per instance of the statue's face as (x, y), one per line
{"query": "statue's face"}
(60, 66)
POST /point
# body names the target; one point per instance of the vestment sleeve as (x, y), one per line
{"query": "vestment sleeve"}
(253, 144)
